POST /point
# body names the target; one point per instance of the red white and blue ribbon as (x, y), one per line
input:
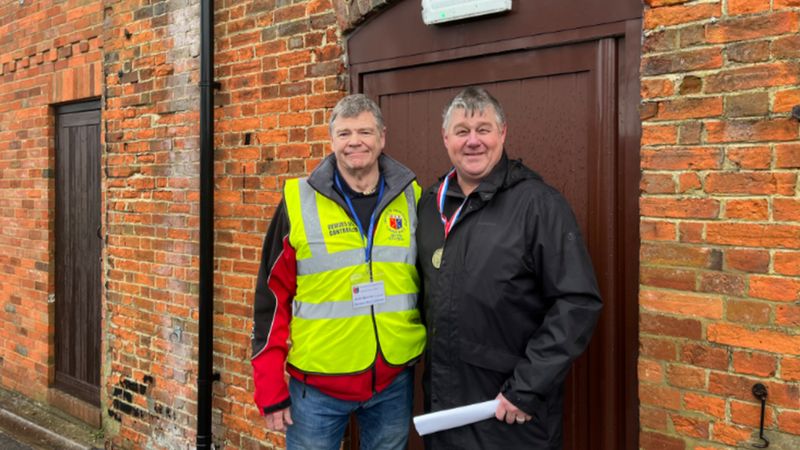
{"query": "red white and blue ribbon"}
(440, 196)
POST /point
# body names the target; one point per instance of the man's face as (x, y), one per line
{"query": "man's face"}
(357, 142)
(474, 143)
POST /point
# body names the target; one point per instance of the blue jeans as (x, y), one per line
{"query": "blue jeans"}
(320, 420)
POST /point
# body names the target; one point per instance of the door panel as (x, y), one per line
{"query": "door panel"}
(562, 114)
(78, 251)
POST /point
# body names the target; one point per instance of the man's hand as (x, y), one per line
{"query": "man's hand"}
(279, 420)
(509, 413)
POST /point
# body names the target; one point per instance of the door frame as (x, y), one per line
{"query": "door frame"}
(364, 60)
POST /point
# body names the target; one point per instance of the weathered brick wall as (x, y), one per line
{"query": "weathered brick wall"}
(281, 69)
(50, 52)
(152, 189)
(720, 226)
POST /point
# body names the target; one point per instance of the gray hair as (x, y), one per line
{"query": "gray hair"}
(352, 106)
(474, 100)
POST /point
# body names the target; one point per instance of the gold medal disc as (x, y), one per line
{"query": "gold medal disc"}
(437, 257)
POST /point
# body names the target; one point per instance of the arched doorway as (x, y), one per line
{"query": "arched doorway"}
(567, 74)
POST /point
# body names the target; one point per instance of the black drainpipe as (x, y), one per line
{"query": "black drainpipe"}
(205, 375)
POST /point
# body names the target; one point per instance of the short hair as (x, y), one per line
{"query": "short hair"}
(473, 100)
(352, 106)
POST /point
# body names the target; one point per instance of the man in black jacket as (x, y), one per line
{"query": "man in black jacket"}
(510, 296)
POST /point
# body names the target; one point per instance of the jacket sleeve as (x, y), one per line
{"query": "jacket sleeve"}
(563, 270)
(272, 309)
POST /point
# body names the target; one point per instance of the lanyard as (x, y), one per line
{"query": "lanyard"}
(440, 196)
(371, 232)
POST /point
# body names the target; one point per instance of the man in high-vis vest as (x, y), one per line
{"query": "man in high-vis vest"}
(336, 298)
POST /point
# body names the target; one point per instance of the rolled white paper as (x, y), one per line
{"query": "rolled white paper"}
(455, 417)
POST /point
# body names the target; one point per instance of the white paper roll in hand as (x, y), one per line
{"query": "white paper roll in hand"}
(455, 417)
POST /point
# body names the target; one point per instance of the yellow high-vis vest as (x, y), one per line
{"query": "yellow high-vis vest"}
(329, 334)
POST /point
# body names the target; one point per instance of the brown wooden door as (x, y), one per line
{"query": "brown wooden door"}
(78, 251)
(571, 101)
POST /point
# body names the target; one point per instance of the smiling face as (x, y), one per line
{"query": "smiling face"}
(357, 143)
(474, 143)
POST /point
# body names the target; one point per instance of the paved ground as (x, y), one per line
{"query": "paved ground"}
(27, 425)
(9, 443)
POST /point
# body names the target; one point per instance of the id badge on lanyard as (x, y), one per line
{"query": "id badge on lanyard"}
(367, 290)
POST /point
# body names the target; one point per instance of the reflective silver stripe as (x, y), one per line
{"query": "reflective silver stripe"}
(351, 258)
(311, 220)
(323, 263)
(412, 208)
(345, 309)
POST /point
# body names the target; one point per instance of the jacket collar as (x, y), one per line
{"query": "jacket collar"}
(505, 174)
(395, 176)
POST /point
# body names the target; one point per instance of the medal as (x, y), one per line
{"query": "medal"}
(437, 257)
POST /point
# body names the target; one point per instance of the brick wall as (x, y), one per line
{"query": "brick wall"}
(50, 52)
(720, 225)
(152, 190)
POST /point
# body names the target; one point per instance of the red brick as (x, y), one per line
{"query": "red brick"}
(758, 157)
(669, 326)
(753, 76)
(657, 231)
(681, 304)
(654, 347)
(657, 183)
(785, 47)
(652, 418)
(657, 87)
(659, 134)
(682, 158)
(722, 283)
(692, 233)
(787, 156)
(790, 368)
(753, 363)
(655, 441)
(756, 210)
(753, 261)
(704, 355)
(778, 289)
(682, 61)
(689, 182)
(700, 208)
(650, 371)
(748, 51)
(785, 100)
(751, 27)
(787, 263)
(786, 209)
(756, 339)
(684, 280)
(753, 183)
(789, 422)
(747, 6)
(753, 235)
(679, 255)
(661, 396)
(706, 404)
(745, 105)
(749, 414)
(689, 107)
(690, 426)
(748, 312)
(751, 131)
(780, 4)
(686, 377)
(674, 15)
(787, 315)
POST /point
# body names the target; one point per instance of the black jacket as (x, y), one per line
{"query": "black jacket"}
(514, 302)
